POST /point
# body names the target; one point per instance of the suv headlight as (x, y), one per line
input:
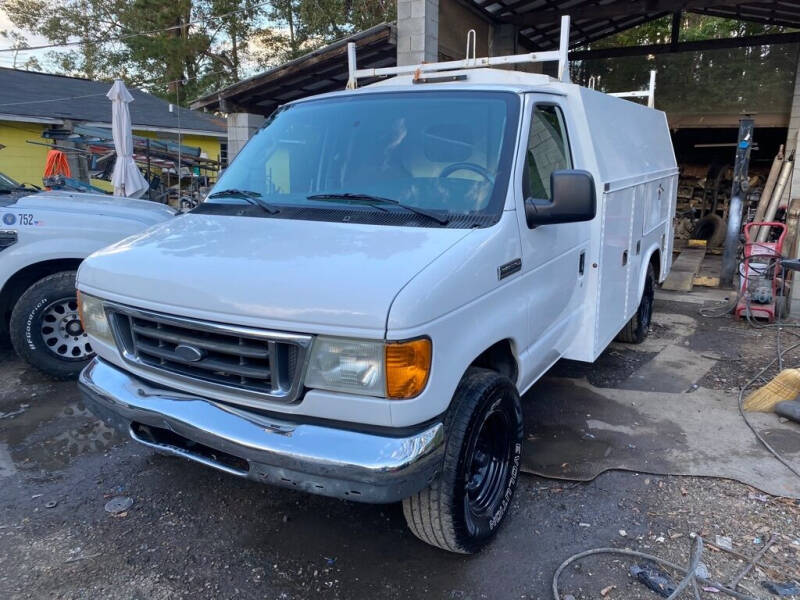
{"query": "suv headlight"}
(94, 319)
(374, 368)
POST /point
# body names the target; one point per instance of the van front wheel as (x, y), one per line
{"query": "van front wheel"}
(463, 508)
(635, 330)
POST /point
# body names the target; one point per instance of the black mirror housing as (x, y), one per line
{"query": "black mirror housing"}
(574, 200)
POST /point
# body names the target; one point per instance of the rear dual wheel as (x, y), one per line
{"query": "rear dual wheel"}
(463, 508)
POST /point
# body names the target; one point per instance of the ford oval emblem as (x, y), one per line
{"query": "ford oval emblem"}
(189, 353)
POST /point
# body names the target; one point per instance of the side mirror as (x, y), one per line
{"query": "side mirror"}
(573, 200)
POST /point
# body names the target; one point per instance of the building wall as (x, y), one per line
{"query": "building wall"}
(25, 162)
(20, 160)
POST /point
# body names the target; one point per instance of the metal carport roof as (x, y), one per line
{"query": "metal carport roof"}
(538, 20)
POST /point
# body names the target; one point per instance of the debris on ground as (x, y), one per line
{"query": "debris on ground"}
(788, 588)
(607, 590)
(790, 409)
(723, 542)
(119, 504)
(654, 578)
(784, 386)
(13, 413)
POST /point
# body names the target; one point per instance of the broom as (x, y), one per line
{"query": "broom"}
(784, 386)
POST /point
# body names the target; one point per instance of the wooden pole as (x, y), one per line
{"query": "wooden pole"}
(769, 187)
(777, 194)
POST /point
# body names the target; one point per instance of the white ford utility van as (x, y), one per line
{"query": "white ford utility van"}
(377, 278)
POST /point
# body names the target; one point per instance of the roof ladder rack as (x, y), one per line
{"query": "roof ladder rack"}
(561, 56)
(649, 93)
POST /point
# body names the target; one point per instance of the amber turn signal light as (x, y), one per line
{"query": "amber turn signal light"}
(407, 367)
(80, 309)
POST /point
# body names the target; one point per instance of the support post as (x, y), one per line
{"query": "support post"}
(417, 31)
(563, 50)
(241, 126)
(352, 83)
(738, 192)
(675, 34)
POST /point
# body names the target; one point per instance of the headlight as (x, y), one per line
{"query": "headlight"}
(385, 369)
(94, 319)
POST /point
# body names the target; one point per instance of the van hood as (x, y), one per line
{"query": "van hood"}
(75, 203)
(303, 276)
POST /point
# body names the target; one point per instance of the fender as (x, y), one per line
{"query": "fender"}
(25, 254)
(645, 263)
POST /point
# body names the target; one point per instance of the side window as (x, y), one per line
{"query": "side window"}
(548, 151)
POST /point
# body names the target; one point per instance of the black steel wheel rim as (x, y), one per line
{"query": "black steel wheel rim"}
(488, 467)
(62, 332)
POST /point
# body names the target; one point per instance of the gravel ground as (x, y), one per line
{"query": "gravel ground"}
(195, 533)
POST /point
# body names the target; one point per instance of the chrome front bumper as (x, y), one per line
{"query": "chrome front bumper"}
(322, 460)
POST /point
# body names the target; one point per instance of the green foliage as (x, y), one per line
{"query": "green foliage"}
(195, 46)
(754, 79)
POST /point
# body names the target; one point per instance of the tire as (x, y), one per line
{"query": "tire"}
(45, 330)
(636, 330)
(712, 229)
(462, 510)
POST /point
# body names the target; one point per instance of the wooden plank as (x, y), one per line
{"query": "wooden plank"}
(685, 267)
(679, 281)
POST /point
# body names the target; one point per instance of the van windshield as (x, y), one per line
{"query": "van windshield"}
(427, 158)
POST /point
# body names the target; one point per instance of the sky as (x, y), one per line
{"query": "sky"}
(6, 58)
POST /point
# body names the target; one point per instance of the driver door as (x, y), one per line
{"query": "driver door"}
(554, 257)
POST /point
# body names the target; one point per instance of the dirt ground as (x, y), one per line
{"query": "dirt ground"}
(195, 533)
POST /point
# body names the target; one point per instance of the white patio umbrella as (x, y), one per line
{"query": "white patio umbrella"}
(127, 179)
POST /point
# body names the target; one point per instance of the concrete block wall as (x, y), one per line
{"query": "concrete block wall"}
(417, 31)
(241, 127)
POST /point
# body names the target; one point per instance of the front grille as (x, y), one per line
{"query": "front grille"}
(252, 360)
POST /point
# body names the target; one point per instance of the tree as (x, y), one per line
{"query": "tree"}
(183, 48)
(172, 48)
(732, 80)
(18, 43)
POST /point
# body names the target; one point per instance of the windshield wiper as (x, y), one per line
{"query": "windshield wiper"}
(370, 199)
(253, 198)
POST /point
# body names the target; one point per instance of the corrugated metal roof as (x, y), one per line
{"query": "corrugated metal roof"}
(593, 20)
(42, 95)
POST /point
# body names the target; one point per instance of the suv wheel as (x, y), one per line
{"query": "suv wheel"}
(636, 330)
(46, 330)
(463, 508)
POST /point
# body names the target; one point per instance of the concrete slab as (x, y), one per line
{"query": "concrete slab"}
(577, 431)
(675, 370)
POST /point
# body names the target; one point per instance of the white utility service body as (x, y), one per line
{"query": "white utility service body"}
(525, 296)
